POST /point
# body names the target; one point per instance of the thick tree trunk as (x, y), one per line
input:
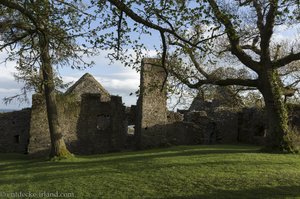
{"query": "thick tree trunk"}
(58, 146)
(279, 136)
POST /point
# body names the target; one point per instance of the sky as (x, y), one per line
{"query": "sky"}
(115, 78)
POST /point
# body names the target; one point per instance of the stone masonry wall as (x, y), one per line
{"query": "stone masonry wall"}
(68, 111)
(14, 131)
(152, 103)
(88, 84)
(90, 126)
(101, 126)
(226, 126)
(39, 142)
(251, 127)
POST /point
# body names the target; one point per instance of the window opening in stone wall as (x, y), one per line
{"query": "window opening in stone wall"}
(17, 139)
(103, 122)
(131, 129)
(260, 131)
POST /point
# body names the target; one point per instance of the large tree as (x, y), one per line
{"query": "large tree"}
(195, 34)
(40, 35)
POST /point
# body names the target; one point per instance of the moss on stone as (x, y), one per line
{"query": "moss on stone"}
(68, 103)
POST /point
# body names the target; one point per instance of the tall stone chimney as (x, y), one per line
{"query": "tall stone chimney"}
(152, 102)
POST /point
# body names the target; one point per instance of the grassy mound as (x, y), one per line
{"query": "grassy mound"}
(178, 172)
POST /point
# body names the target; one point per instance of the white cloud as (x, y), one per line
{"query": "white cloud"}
(8, 91)
(122, 84)
(114, 77)
(7, 70)
(119, 84)
(8, 85)
(286, 33)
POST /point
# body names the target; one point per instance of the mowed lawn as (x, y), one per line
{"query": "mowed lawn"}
(215, 171)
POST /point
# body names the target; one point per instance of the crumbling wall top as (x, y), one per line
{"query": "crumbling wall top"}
(88, 84)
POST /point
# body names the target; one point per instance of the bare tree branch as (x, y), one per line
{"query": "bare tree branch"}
(233, 38)
(286, 60)
(121, 6)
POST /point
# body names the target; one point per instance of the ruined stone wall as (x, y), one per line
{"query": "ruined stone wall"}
(131, 113)
(68, 112)
(39, 142)
(179, 132)
(173, 117)
(194, 128)
(218, 126)
(90, 126)
(152, 104)
(294, 117)
(14, 131)
(230, 126)
(226, 126)
(102, 126)
(88, 84)
(251, 127)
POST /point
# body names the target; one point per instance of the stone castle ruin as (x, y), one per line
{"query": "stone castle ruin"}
(93, 121)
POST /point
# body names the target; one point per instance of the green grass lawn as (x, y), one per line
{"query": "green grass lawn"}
(178, 172)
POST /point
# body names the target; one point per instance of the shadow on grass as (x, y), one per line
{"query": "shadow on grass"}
(127, 157)
(259, 192)
(16, 165)
(131, 163)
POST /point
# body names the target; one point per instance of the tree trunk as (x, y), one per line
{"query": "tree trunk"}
(279, 136)
(58, 146)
